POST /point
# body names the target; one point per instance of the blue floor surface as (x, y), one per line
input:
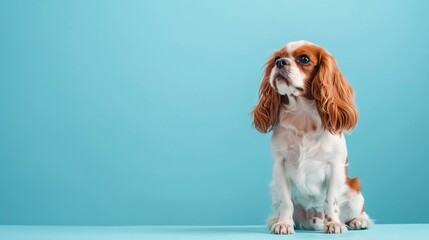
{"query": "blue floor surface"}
(381, 231)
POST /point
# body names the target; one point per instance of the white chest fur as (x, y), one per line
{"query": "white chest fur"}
(307, 150)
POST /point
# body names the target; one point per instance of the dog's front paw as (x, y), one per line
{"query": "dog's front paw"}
(282, 228)
(359, 223)
(334, 227)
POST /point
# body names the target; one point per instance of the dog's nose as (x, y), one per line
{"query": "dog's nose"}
(282, 62)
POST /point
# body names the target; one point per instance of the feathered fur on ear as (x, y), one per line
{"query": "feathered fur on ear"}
(334, 96)
(265, 113)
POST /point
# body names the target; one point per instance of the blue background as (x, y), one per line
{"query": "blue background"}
(138, 112)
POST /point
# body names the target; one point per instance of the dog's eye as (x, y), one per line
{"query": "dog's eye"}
(304, 59)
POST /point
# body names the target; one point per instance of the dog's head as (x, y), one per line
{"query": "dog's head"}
(303, 69)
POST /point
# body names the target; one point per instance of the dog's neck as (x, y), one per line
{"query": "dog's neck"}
(300, 113)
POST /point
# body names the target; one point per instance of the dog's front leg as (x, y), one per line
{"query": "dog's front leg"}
(282, 201)
(332, 208)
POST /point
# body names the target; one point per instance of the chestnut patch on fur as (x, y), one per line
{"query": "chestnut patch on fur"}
(354, 184)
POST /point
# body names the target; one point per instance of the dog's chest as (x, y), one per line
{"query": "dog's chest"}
(305, 162)
(307, 149)
(306, 159)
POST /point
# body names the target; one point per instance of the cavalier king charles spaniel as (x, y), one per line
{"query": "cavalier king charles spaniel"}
(308, 104)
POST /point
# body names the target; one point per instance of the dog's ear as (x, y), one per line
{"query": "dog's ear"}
(334, 96)
(266, 112)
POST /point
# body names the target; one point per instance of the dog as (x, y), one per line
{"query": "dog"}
(308, 105)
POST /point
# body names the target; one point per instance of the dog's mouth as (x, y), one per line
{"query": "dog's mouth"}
(282, 77)
(299, 89)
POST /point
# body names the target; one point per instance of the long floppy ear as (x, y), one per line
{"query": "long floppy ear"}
(334, 96)
(265, 113)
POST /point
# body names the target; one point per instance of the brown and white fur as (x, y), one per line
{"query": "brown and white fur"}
(308, 106)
